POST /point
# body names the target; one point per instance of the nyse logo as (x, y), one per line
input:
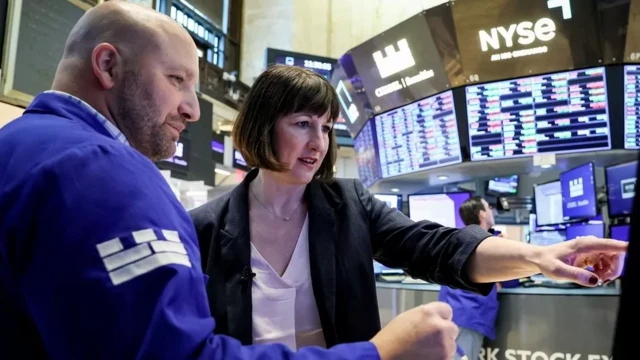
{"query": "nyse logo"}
(395, 61)
(628, 187)
(543, 29)
(350, 109)
(576, 188)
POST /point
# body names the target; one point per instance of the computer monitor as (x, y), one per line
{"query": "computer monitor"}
(620, 232)
(625, 342)
(440, 208)
(394, 201)
(621, 188)
(576, 230)
(507, 185)
(548, 202)
(579, 192)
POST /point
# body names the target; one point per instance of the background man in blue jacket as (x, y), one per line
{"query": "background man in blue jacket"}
(98, 259)
(474, 314)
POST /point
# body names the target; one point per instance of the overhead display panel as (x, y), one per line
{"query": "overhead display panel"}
(418, 136)
(354, 106)
(321, 65)
(632, 44)
(364, 146)
(503, 39)
(554, 113)
(400, 65)
(632, 107)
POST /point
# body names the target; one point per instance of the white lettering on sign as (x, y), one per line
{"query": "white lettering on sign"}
(395, 61)
(543, 30)
(404, 82)
(518, 354)
(312, 64)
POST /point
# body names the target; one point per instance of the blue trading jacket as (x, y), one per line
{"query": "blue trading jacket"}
(98, 259)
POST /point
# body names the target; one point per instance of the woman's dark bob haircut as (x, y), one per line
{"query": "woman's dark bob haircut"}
(280, 91)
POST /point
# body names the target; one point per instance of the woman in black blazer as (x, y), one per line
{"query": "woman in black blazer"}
(284, 131)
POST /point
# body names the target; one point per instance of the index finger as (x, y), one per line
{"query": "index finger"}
(596, 244)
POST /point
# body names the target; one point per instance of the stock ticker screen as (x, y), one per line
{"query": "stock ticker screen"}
(418, 136)
(365, 147)
(553, 113)
(632, 107)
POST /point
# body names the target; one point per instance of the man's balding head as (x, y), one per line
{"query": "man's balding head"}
(138, 68)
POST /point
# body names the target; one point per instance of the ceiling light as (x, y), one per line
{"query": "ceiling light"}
(395, 190)
(443, 177)
(545, 166)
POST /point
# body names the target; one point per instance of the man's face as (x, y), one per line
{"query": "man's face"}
(157, 97)
(486, 215)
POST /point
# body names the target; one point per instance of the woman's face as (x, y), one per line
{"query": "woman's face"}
(302, 141)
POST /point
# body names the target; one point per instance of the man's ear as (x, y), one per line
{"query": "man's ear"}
(105, 60)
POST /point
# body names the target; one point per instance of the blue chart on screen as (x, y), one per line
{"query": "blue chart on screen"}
(555, 113)
(578, 192)
(632, 107)
(574, 231)
(621, 188)
(418, 136)
(365, 148)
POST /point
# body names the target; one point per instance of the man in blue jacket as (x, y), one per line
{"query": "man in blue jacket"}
(474, 314)
(98, 259)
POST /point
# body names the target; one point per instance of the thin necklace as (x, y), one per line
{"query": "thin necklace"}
(272, 213)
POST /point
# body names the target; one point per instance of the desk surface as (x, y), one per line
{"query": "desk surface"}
(598, 291)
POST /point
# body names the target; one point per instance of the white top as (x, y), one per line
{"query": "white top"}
(284, 308)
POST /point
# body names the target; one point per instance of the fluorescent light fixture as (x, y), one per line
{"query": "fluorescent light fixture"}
(443, 177)
(395, 190)
(222, 172)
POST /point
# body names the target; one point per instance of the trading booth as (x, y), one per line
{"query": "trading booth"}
(501, 90)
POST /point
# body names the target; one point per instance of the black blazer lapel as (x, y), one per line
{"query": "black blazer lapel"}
(322, 256)
(235, 248)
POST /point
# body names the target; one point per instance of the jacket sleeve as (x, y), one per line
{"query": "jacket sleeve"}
(110, 268)
(424, 249)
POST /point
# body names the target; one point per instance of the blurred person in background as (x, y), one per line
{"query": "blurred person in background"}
(475, 315)
(289, 250)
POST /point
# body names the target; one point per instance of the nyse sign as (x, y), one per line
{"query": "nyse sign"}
(527, 32)
(395, 62)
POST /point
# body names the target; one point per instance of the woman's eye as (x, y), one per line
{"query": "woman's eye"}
(326, 129)
(303, 124)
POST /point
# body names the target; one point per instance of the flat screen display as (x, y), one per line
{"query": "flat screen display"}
(555, 113)
(632, 106)
(217, 148)
(577, 230)
(504, 39)
(418, 136)
(354, 108)
(180, 160)
(579, 192)
(503, 185)
(400, 65)
(365, 147)
(439, 208)
(321, 65)
(239, 162)
(394, 201)
(621, 188)
(620, 232)
(548, 201)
